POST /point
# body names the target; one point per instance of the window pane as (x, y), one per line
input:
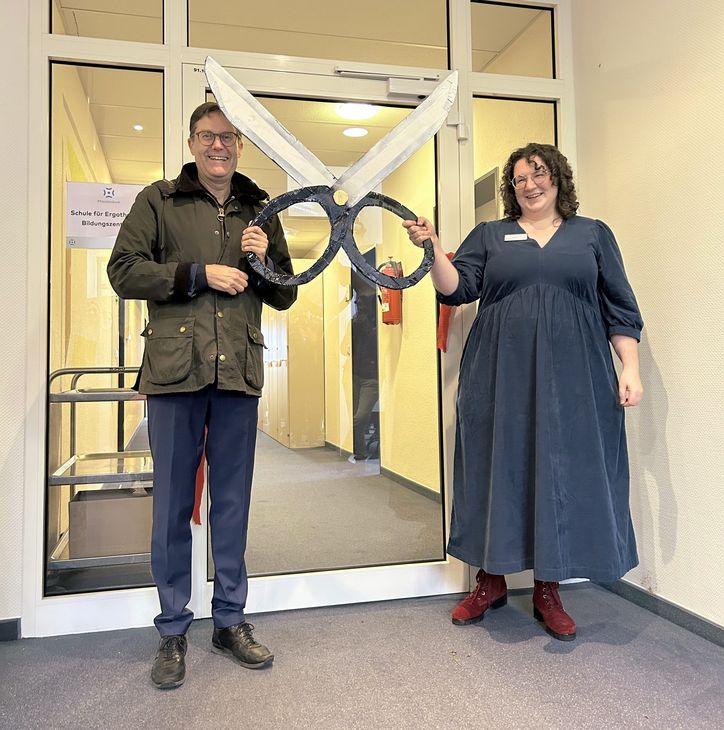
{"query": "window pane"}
(348, 449)
(107, 134)
(499, 127)
(377, 31)
(133, 20)
(512, 39)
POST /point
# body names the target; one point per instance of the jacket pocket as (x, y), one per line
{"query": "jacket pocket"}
(254, 365)
(169, 349)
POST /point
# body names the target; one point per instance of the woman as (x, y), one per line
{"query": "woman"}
(541, 469)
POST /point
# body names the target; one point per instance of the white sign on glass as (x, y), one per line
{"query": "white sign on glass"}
(95, 211)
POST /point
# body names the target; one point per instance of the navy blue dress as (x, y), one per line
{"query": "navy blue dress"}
(541, 475)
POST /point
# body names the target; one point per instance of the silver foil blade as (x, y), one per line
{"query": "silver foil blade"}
(402, 142)
(264, 130)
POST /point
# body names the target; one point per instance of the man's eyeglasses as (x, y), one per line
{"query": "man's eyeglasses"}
(538, 177)
(228, 139)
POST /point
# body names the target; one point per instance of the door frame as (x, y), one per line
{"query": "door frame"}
(356, 584)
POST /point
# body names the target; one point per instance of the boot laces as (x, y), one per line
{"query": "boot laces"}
(244, 634)
(550, 595)
(172, 645)
(479, 589)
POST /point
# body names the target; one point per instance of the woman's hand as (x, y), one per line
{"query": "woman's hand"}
(630, 390)
(420, 231)
(254, 240)
(444, 275)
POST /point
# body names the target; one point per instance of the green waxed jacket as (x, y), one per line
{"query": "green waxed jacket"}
(194, 338)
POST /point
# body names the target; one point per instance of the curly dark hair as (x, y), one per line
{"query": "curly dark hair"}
(561, 175)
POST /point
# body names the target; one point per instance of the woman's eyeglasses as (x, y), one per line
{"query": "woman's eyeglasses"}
(538, 177)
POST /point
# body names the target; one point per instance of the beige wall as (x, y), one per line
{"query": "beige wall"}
(291, 407)
(13, 297)
(648, 79)
(409, 435)
(338, 353)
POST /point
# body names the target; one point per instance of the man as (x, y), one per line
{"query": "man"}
(182, 248)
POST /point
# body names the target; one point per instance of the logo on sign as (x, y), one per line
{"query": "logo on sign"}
(109, 193)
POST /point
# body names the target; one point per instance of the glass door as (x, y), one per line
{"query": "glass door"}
(348, 502)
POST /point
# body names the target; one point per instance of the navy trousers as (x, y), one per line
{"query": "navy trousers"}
(176, 432)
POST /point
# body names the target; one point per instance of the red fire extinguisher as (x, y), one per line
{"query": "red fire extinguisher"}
(391, 299)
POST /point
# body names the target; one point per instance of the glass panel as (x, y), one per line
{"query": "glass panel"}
(132, 20)
(376, 31)
(106, 142)
(348, 449)
(512, 39)
(499, 127)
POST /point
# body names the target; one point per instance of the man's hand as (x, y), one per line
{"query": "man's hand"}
(226, 278)
(254, 240)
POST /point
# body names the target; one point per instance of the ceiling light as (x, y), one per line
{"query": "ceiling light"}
(138, 127)
(355, 132)
(356, 111)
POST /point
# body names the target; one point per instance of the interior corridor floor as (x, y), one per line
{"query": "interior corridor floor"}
(400, 664)
(311, 509)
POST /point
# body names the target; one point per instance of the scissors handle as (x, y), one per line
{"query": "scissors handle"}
(369, 271)
(341, 236)
(316, 194)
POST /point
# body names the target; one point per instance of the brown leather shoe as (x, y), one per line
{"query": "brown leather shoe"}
(548, 608)
(490, 592)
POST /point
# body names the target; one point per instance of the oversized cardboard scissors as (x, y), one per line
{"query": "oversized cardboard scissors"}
(341, 198)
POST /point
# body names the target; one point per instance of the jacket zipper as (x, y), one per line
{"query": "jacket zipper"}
(221, 217)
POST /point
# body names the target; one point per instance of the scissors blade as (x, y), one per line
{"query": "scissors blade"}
(403, 141)
(264, 130)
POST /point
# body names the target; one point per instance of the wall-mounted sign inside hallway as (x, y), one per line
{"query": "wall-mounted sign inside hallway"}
(95, 211)
(341, 198)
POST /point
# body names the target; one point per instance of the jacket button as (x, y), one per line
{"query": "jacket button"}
(150, 332)
(216, 233)
(212, 356)
(220, 315)
(222, 358)
(182, 329)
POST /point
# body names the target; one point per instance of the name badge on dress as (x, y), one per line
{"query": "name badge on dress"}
(516, 237)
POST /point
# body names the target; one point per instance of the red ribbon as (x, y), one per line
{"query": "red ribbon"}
(443, 322)
(196, 517)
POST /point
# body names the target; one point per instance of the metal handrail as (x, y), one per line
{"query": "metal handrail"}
(78, 373)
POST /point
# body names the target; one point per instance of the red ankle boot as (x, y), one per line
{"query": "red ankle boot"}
(548, 608)
(490, 592)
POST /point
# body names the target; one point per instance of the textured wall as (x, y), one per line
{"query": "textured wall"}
(650, 116)
(13, 244)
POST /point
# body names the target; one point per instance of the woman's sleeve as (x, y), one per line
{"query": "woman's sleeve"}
(469, 260)
(616, 298)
